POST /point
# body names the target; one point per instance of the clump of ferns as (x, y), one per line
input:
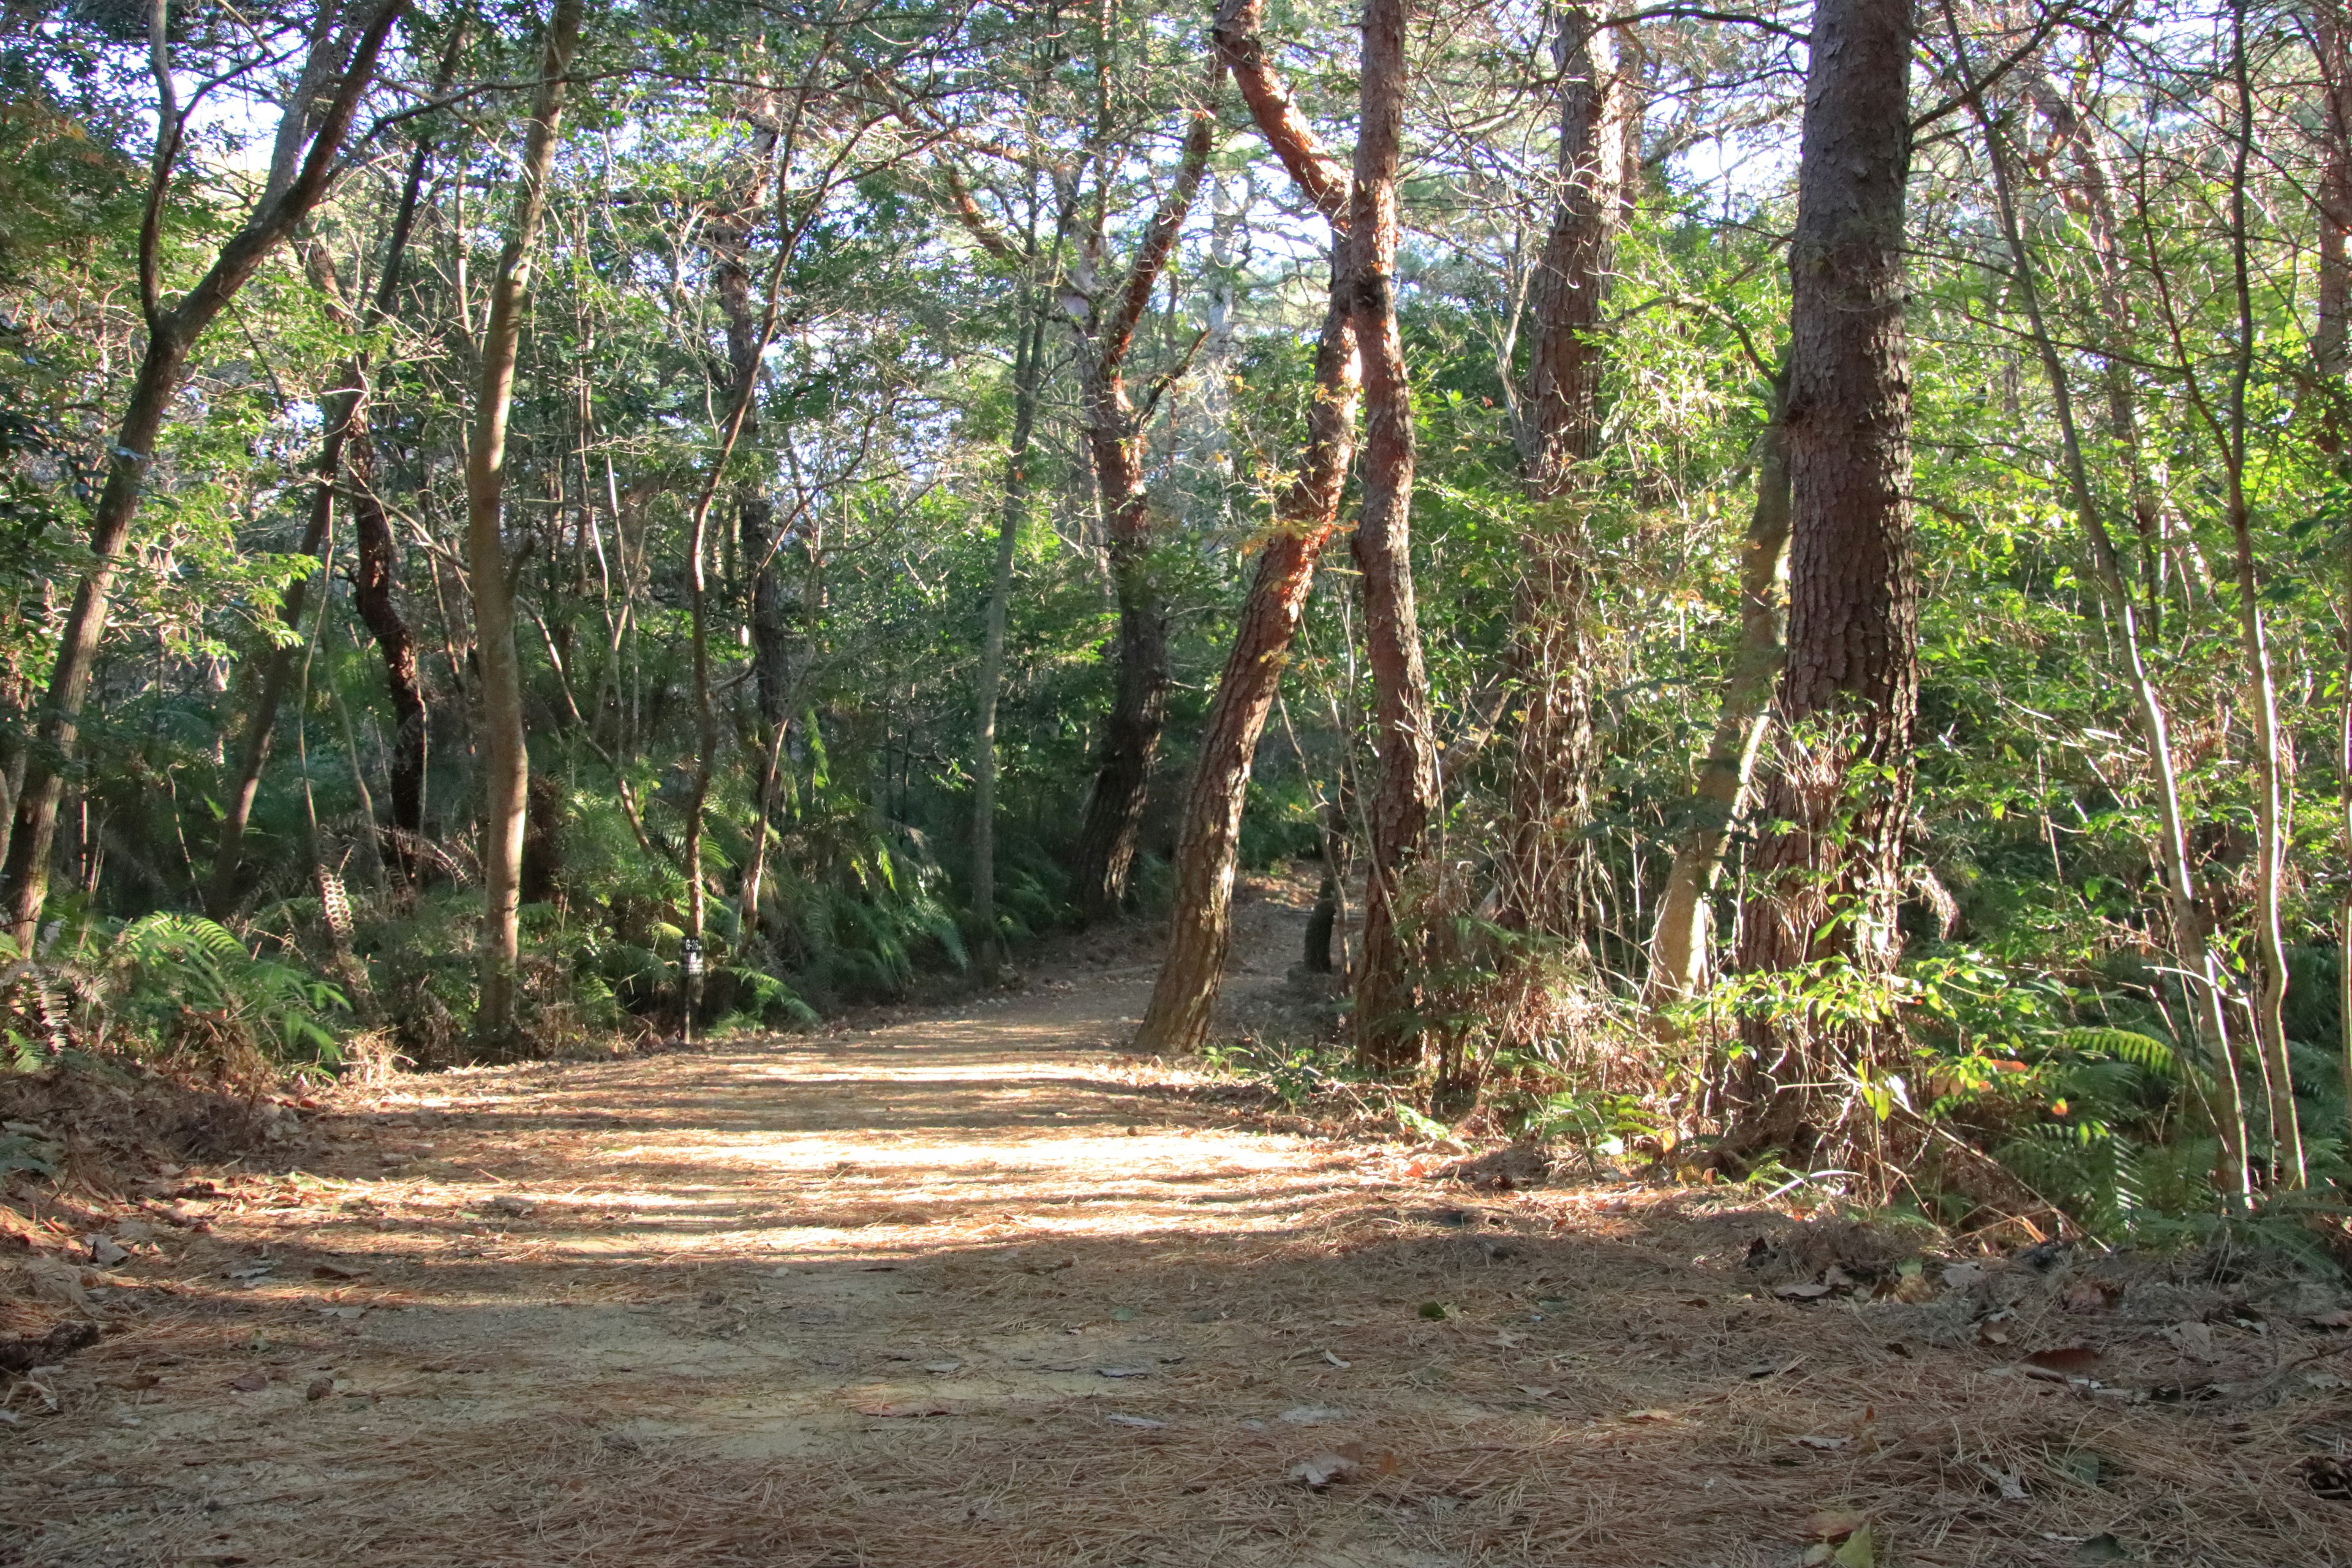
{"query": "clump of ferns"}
(2127, 1147)
(184, 993)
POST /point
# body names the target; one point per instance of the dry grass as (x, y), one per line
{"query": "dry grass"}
(640, 1313)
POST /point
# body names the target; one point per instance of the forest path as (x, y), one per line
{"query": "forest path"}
(968, 1288)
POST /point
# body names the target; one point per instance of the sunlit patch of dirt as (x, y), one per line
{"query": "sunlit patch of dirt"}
(971, 1288)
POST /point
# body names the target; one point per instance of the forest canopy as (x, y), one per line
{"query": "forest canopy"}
(1784, 568)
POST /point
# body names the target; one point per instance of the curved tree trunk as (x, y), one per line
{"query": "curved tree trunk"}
(1825, 881)
(1105, 853)
(1404, 793)
(278, 665)
(372, 598)
(1201, 925)
(1678, 939)
(506, 761)
(170, 336)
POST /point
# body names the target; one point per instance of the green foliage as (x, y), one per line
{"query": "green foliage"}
(180, 981)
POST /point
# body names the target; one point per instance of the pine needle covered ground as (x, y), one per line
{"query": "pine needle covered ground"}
(969, 1288)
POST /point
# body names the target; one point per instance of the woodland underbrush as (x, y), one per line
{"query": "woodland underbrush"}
(1996, 1106)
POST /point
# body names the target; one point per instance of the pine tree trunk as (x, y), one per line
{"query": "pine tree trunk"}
(1679, 938)
(1130, 734)
(1105, 852)
(1200, 927)
(1543, 866)
(506, 760)
(2331, 357)
(170, 336)
(1825, 879)
(1404, 793)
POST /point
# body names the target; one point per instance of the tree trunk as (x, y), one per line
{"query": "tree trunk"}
(1404, 792)
(1678, 940)
(506, 761)
(371, 583)
(1826, 882)
(1201, 925)
(377, 554)
(1543, 867)
(1105, 853)
(170, 336)
(2270, 745)
(277, 663)
(1028, 367)
(2331, 353)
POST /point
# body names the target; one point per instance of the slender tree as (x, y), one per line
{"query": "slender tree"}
(506, 760)
(1679, 937)
(1104, 319)
(1403, 796)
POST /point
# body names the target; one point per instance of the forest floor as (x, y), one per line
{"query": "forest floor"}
(969, 1286)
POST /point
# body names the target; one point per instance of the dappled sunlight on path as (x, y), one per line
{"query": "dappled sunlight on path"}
(976, 1288)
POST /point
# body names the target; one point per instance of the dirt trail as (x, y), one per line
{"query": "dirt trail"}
(968, 1289)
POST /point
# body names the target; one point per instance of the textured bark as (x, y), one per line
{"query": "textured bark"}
(505, 759)
(1543, 865)
(1200, 933)
(1323, 179)
(2331, 356)
(1028, 368)
(1130, 735)
(755, 508)
(2331, 348)
(1404, 791)
(1200, 927)
(1678, 940)
(170, 336)
(755, 533)
(1825, 880)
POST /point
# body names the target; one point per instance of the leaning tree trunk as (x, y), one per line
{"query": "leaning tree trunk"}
(377, 554)
(378, 565)
(1543, 864)
(346, 463)
(1678, 939)
(1825, 880)
(1201, 925)
(1200, 928)
(1105, 853)
(1404, 791)
(171, 334)
(506, 761)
